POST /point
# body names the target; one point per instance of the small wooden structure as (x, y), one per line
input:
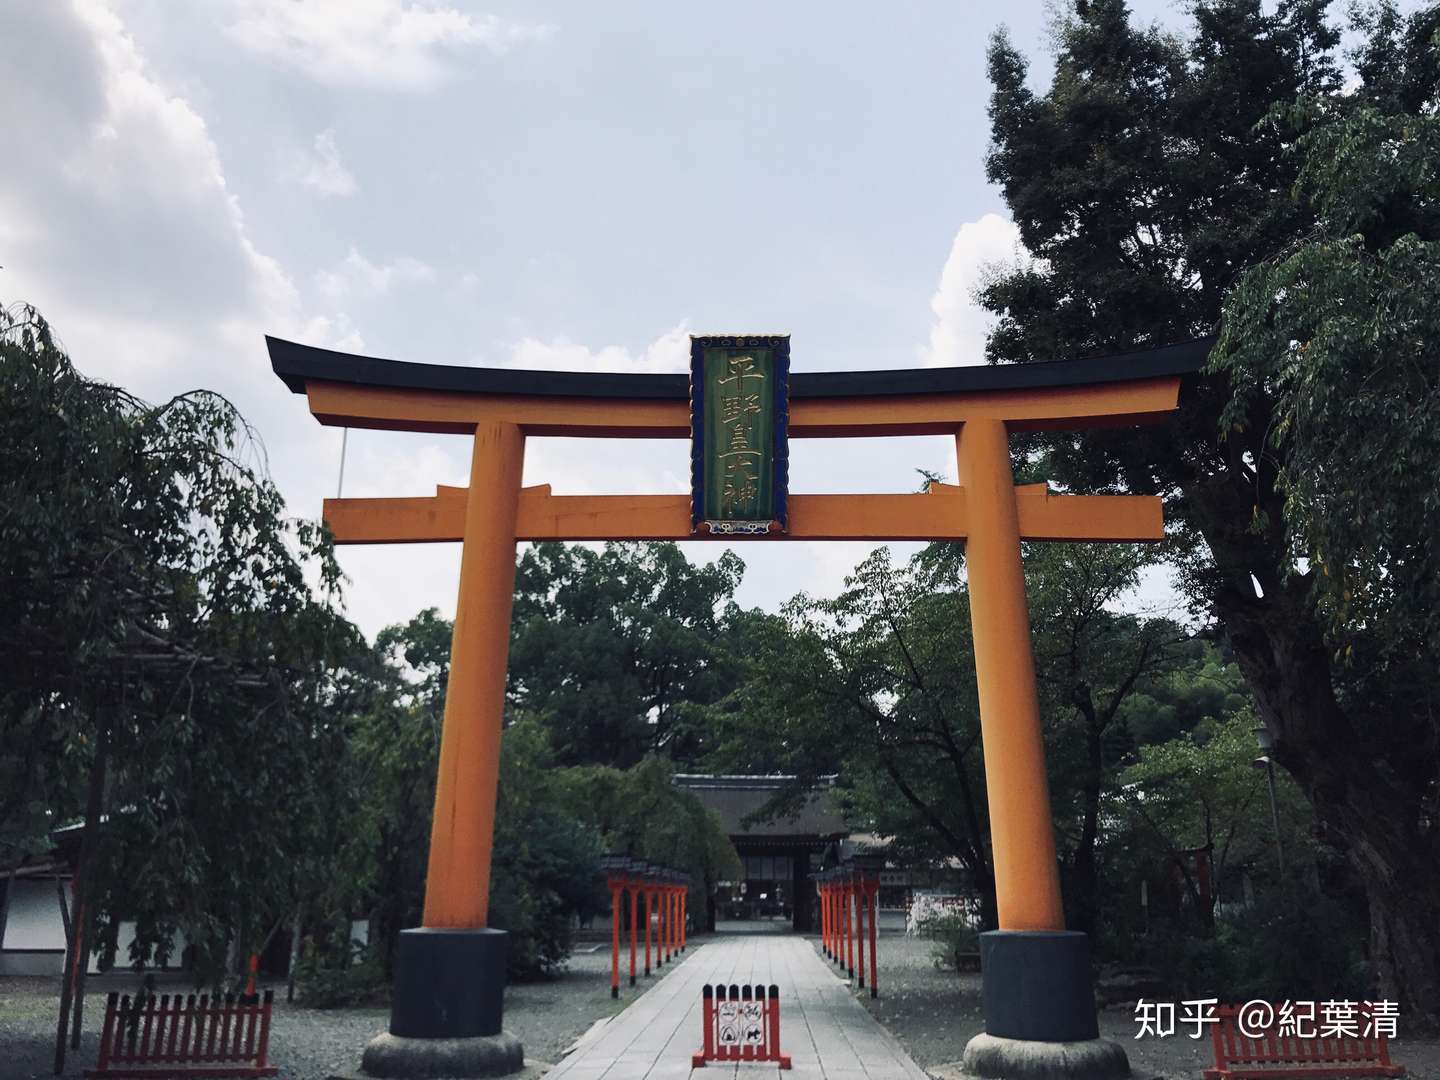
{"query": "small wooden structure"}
(204, 1037)
(741, 1025)
(666, 894)
(847, 904)
(1271, 1052)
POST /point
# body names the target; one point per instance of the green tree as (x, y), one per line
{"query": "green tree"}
(1091, 659)
(640, 811)
(1201, 791)
(1161, 183)
(161, 646)
(878, 685)
(545, 868)
(609, 647)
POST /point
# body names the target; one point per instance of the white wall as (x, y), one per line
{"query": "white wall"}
(32, 919)
(359, 935)
(125, 936)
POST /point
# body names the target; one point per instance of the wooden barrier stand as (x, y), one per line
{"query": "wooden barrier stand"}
(211, 1037)
(743, 1025)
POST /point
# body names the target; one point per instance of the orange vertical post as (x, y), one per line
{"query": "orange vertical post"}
(825, 914)
(1027, 877)
(674, 909)
(649, 915)
(859, 890)
(632, 887)
(820, 907)
(614, 938)
(872, 888)
(849, 959)
(457, 881)
(834, 920)
(829, 920)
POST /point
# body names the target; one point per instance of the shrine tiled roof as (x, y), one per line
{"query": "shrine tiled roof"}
(737, 798)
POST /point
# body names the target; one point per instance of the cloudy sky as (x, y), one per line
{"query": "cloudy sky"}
(560, 185)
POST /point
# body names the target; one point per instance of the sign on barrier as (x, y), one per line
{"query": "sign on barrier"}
(740, 1024)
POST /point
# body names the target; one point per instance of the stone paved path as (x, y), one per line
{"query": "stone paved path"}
(822, 1027)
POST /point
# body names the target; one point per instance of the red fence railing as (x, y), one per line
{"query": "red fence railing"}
(165, 1036)
(742, 1024)
(1277, 1050)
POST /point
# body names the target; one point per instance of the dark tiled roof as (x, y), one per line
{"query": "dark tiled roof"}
(295, 364)
(736, 797)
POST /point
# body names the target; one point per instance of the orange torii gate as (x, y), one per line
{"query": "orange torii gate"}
(978, 406)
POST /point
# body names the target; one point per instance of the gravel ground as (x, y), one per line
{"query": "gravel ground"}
(307, 1044)
(934, 1013)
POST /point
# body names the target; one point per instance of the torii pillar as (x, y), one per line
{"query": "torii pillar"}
(1038, 1002)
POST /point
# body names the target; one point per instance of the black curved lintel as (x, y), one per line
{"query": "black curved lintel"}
(297, 364)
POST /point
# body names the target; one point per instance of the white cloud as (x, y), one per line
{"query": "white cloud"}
(670, 352)
(382, 44)
(129, 239)
(961, 325)
(127, 207)
(358, 276)
(321, 169)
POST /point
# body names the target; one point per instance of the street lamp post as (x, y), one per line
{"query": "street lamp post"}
(1266, 742)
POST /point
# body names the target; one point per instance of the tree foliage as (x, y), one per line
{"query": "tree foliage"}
(878, 685)
(159, 630)
(610, 648)
(1164, 183)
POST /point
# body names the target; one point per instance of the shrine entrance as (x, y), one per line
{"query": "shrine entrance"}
(739, 407)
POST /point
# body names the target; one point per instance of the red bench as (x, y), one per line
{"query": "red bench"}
(1267, 1052)
(211, 1037)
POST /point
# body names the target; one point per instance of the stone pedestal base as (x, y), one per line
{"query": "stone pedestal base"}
(1021, 1059)
(1040, 1011)
(446, 1011)
(395, 1056)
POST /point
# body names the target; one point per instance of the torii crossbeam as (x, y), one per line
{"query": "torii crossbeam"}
(979, 406)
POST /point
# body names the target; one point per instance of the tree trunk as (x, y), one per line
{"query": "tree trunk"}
(1367, 781)
(77, 951)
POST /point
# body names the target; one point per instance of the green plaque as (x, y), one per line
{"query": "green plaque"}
(739, 394)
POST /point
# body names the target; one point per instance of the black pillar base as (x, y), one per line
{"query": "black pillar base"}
(1040, 1011)
(1037, 985)
(449, 984)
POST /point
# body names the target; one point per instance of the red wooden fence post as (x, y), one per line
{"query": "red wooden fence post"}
(632, 886)
(707, 1015)
(860, 907)
(674, 916)
(264, 1047)
(107, 1033)
(773, 1018)
(872, 889)
(614, 938)
(830, 919)
(829, 909)
(847, 890)
(649, 915)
